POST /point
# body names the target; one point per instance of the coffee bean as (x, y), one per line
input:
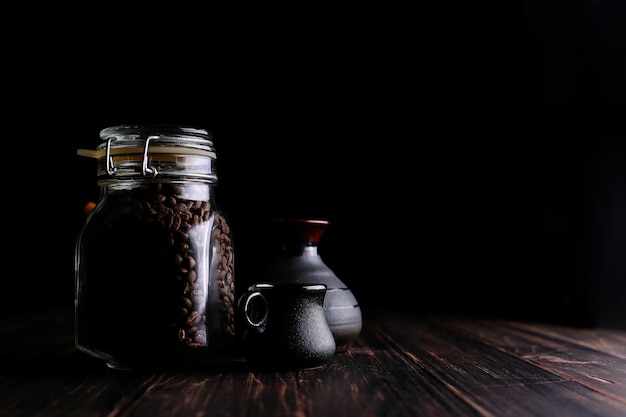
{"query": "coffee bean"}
(193, 319)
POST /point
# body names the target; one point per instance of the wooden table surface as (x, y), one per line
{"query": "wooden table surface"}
(404, 364)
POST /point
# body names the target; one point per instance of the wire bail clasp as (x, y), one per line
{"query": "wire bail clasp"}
(145, 169)
(111, 169)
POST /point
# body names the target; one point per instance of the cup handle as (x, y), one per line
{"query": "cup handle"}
(254, 309)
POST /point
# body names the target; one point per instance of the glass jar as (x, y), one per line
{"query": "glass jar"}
(154, 260)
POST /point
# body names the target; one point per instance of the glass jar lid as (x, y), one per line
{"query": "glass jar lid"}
(149, 151)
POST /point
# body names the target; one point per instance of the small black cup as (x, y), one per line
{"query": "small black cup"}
(284, 326)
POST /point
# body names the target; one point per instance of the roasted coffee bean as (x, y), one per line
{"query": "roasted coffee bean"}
(180, 236)
(193, 319)
(200, 337)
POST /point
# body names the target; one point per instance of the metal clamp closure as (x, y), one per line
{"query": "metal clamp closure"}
(145, 169)
(109, 159)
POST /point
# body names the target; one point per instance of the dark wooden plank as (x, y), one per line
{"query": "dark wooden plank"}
(69, 394)
(412, 384)
(402, 365)
(491, 380)
(367, 380)
(590, 357)
(261, 393)
(42, 373)
(611, 341)
(36, 336)
(72, 384)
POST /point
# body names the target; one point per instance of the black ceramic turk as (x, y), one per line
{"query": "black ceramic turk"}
(154, 260)
(294, 258)
(285, 327)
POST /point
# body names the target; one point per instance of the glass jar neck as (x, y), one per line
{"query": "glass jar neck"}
(162, 189)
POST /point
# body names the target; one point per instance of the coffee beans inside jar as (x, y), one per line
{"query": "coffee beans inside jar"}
(155, 261)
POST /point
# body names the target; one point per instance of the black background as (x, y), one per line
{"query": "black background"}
(470, 158)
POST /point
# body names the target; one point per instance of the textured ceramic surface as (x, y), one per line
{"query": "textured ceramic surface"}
(285, 326)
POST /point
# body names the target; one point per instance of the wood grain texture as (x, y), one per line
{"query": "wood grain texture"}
(402, 365)
(592, 358)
